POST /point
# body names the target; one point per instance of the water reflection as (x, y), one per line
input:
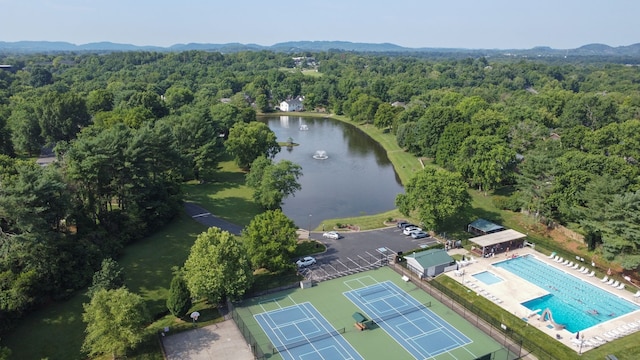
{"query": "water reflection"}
(356, 179)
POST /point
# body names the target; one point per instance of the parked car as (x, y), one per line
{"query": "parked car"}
(306, 261)
(409, 229)
(405, 225)
(419, 234)
(332, 235)
(402, 224)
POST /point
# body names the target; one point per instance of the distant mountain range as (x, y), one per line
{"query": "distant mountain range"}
(302, 46)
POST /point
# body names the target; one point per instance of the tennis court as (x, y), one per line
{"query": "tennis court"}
(318, 322)
(301, 332)
(411, 323)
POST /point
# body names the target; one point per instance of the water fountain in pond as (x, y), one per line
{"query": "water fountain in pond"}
(320, 155)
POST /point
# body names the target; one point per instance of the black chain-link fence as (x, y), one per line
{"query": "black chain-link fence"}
(257, 351)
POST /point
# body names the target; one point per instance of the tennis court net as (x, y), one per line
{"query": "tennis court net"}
(308, 340)
(375, 290)
(398, 313)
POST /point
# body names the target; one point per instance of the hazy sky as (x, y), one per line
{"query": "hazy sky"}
(504, 24)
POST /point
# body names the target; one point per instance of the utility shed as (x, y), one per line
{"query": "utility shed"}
(430, 262)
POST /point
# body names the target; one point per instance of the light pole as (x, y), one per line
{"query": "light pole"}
(309, 226)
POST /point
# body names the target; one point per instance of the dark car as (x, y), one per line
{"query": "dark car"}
(402, 224)
(406, 225)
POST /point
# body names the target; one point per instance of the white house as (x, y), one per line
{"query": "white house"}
(292, 104)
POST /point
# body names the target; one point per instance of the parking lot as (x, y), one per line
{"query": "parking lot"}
(360, 251)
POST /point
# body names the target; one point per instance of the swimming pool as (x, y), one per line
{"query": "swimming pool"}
(487, 277)
(572, 300)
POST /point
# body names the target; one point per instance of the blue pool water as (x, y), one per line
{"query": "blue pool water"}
(487, 277)
(572, 300)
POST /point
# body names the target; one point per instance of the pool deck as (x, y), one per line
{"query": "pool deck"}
(510, 293)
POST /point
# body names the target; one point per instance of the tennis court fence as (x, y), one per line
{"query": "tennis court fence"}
(257, 351)
(308, 340)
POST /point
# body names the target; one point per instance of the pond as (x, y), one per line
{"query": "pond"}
(345, 172)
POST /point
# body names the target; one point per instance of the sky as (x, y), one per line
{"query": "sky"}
(473, 24)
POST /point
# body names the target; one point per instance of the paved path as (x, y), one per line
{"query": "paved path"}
(221, 341)
(203, 216)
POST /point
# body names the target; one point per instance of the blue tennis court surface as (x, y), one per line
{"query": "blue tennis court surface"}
(301, 332)
(413, 325)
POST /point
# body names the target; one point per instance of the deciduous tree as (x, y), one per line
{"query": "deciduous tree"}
(115, 322)
(433, 196)
(273, 182)
(271, 239)
(217, 267)
(247, 142)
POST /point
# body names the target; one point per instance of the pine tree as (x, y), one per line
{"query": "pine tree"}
(179, 300)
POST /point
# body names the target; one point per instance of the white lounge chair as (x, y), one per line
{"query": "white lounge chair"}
(620, 287)
(601, 340)
(555, 258)
(610, 282)
(570, 264)
(592, 273)
(552, 255)
(585, 271)
(615, 283)
(637, 294)
(575, 266)
(566, 262)
(581, 269)
(605, 278)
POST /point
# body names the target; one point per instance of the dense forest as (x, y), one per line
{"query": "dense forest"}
(128, 128)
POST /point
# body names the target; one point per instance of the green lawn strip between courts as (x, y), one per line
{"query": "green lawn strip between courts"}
(327, 297)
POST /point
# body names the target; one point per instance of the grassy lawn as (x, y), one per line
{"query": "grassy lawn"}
(57, 331)
(227, 197)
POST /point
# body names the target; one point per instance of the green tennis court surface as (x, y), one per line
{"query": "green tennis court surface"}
(317, 322)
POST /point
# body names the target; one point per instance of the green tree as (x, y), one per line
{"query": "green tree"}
(115, 322)
(273, 182)
(384, 116)
(177, 97)
(434, 196)
(62, 116)
(271, 240)
(179, 300)
(40, 77)
(484, 161)
(217, 267)
(247, 142)
(100, 100)
(109, 277)
(25, 130)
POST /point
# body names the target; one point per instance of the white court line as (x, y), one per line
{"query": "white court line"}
(201, 215)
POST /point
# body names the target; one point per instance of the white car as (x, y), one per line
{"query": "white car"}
(410, 229)
(332, 235)
(306, 261)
